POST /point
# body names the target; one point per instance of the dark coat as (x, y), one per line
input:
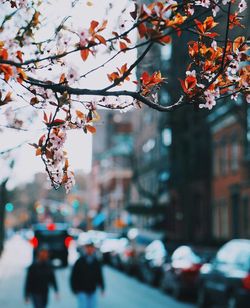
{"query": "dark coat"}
(86, 276)
(40, 277)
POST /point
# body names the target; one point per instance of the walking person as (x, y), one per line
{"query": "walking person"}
(40, 276)
(87, 277)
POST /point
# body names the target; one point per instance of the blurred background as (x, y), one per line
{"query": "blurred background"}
(167, 204)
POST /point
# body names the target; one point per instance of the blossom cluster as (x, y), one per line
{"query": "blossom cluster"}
(51, 148)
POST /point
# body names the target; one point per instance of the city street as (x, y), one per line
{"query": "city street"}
(122, 291)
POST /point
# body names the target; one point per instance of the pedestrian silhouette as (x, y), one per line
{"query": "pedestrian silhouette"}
(86, 277)
(40, 276)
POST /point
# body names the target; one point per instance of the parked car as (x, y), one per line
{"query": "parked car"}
(117, 252)
(151, 262)
(180, 274)
(226, 280)
(109, 247)
(55, 238)
(138, 241)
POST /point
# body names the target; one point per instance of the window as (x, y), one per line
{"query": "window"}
(166, 52)
(223, 158)
(166, 135)
(216, 160)
(246, 213)
(224, 218)
(234, 155)
(221, 219)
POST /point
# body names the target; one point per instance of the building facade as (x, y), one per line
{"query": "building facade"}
(231, 170)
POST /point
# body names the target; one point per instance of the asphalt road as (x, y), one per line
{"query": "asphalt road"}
(122, 291)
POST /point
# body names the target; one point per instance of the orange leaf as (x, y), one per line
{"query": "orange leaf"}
(183, 85)
(166, 39)
(4, 54)
(91, 129)
(103, 26)
(38, 151)
(7, 98)
(238, 42)
(7, 70)
(22, 75)
(113, 76)
(66, 165)
(62, 78)
(80, 114)
(84, 54)
(19, 56)
(145, 77)
(123, 69)
(209, 23)
(101, 39)
(142, 29)
(93, 25)
(123, 46)
(199, 25)
(190, 82)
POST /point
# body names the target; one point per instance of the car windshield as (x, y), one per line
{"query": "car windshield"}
(50, 237)
(237, 253)
(185, 253)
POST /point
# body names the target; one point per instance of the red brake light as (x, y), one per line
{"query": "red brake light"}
(34, 242)
(246, 282)
(192, 269)
(51, 227)
(67, 241)
(129, 253)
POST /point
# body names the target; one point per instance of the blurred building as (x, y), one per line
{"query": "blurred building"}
(111, 171)
(230, 126)
(171, 186)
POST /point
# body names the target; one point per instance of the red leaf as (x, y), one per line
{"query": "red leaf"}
(40, 142)
(91, 129)
(134, 13)
(93, 25)
(125, 38)
(123, 46)
(101, 39)
(84, 54)
(19, 56)
(56, 122)
(45, 117)
(113, 76)
(212, 35)
(142, 29)
(145, 78)
(166, 39)
(199, 25)
(183, 85)
(4, 54)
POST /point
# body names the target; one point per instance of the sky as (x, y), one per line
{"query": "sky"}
(78, 144)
